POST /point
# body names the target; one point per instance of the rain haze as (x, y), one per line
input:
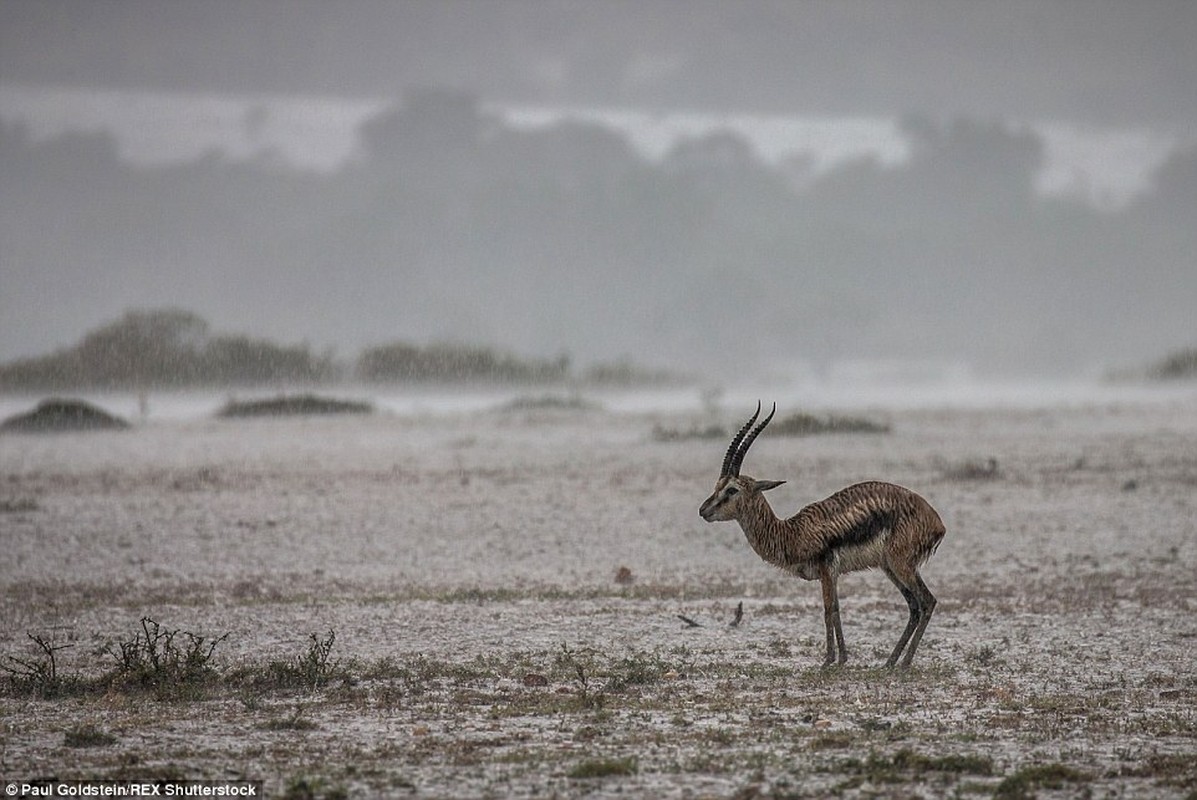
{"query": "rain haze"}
(709, 187)
(364, 367)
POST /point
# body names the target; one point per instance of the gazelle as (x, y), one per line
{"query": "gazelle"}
(866, 525)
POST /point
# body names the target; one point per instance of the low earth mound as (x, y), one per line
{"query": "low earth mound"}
(1178, 366)
(803, 424)
(57, 414)
(549, 402)
(292, 405)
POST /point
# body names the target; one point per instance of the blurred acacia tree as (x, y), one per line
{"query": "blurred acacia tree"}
(161, 348)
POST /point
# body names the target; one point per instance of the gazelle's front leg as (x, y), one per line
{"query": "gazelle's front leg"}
(831, 618)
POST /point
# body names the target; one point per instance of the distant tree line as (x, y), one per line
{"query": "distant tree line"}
(174, 348)
(162, 348)
(452, 220)
(401, 361)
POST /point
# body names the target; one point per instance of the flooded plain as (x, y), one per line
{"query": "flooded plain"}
(486, 602)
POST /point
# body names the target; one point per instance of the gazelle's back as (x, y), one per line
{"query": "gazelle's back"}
(867, 524)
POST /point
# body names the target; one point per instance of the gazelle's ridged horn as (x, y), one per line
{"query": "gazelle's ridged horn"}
(743, 451)
(730, 462)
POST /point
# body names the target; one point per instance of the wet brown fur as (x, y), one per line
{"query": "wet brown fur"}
(866, 525)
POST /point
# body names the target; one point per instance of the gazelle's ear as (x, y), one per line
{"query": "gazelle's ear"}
(764, 486)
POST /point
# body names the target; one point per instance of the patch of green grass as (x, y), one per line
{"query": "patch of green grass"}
(603, 768)
(545, 704)
(908, 765)
(296, 722)
(839, 740)
(1173, 769)
(958, 763)
(1021, 785)
(421, 674)
(984, 656)
(39, 675)
(313, 669)
(173, 664)
(522, 756)
(817, 676)
(302, 788)
(580, 668)
(87, 736)
(250, 701)
(638, 669)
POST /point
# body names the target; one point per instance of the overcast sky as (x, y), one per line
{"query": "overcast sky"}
(1085, 61)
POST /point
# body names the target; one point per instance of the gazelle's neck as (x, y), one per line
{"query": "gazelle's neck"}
(763, 530)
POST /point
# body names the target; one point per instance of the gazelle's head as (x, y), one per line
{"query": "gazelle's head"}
(735, 492)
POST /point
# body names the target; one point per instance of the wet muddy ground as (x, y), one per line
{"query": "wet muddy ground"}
(487, 605)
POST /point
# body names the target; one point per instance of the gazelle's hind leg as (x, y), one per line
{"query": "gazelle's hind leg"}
(913, 603)
(926, 606)
(921, 603)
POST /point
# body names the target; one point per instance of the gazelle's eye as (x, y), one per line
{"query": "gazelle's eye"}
(732, 491)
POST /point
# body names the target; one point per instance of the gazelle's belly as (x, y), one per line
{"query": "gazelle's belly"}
(807, 571)
(865, 555)
(845, 558)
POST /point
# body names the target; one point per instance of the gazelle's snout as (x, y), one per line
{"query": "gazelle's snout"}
(715, 507)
